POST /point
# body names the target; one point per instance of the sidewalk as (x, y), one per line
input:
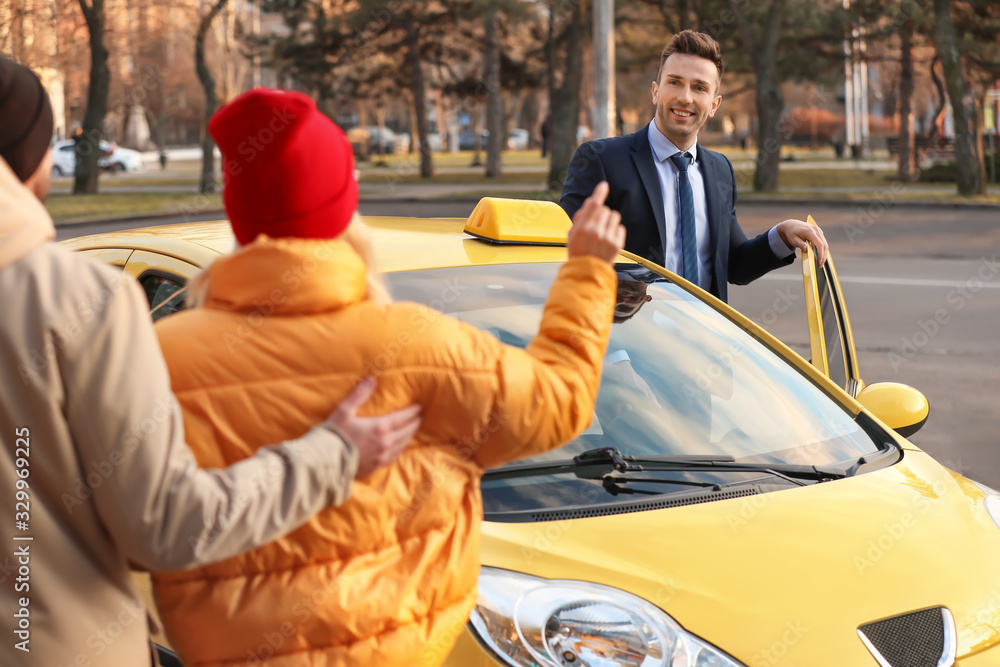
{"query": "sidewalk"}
(897, 192)
(155, 193)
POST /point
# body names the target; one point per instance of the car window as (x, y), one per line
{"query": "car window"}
(836, 362)
(679, 378)
(165, 294)
(68, 149)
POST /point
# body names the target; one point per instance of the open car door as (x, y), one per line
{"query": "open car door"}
(832, 351)
(831, 343)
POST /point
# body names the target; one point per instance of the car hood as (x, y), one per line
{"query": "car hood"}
(791, 573)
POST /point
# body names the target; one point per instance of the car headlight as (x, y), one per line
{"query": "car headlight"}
(528, 621)
(992, 502)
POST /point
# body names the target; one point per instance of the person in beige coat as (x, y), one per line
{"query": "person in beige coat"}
(95, 476)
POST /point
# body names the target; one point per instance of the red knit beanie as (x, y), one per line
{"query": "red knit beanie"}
(288, 170)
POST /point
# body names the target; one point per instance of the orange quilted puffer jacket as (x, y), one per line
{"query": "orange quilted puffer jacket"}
(389, 577)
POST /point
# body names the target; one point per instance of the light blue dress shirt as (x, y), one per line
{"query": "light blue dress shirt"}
(663, 149)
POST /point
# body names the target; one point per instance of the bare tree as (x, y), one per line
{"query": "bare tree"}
(565, 105)
(908, 168)
(770, 103)
(969, 160)
(494, 104)
(208, 84)
(88, 145)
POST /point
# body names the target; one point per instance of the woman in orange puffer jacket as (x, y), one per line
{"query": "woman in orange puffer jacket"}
(287, 325)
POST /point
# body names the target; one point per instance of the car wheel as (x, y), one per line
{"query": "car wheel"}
(57, 170)
(117, 168)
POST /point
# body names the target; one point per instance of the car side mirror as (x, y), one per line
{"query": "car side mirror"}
(899, 406)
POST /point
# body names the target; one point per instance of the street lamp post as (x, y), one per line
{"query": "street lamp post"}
(855, 90)
(604, 69)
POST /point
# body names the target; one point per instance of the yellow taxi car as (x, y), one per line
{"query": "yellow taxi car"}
(731, 504)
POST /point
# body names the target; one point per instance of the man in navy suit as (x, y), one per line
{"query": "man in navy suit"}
(677, 199)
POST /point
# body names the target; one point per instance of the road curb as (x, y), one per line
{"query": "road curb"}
(887, 202)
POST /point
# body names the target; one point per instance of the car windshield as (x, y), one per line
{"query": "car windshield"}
(679, 378)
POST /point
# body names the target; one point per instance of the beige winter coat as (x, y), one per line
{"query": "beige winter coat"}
(92, 438)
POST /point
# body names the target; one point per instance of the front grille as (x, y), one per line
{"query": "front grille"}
(924, 638)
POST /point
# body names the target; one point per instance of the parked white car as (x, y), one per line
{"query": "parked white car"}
(517, 140)
(113, 158)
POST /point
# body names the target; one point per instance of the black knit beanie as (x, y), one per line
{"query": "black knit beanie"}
(26, 120)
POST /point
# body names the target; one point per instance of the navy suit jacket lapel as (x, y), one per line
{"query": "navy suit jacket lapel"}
(642, 156)
(710, 177)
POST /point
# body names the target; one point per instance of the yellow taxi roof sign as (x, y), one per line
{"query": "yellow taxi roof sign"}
(519, 221)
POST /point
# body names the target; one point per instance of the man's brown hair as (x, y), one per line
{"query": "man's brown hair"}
(694, 44)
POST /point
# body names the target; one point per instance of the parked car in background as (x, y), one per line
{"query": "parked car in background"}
(379, 141)
(731, 504)
(466, 141)
(113, 158)
(434, 139)
(517, 140)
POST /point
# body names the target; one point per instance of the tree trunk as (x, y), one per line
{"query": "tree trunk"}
(207, 185)
(88, 146)
(907, 145)
(419, 99)
(477, 160)
(494, 101)
(769, 106)
(442, 120)
(769, 102)
(684, 13)
(550, 56)
(968, 159)
(363, 123)
(942, 100)
(565, 105)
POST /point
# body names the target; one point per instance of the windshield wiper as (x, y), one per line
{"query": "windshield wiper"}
(614, 484)
(596, 463)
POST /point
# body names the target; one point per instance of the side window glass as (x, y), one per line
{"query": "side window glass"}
(165, 294)
(831, 331)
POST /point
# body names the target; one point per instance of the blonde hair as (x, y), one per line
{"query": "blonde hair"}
(356, 235)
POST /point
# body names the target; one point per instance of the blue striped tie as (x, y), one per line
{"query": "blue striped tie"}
(689, 245)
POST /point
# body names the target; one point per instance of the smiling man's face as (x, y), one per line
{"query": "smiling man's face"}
(686, 96)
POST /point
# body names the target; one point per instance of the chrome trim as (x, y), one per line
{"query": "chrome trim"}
(950, 639)
(949, 651)
(874, 651)
(477, 628)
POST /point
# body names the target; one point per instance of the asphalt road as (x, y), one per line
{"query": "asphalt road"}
(922, 286)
